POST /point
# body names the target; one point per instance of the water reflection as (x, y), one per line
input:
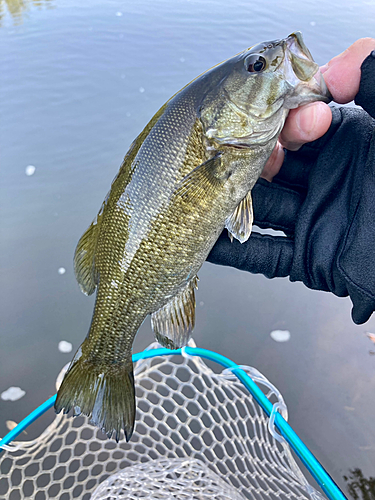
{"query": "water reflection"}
(17, 8)
(359, 487)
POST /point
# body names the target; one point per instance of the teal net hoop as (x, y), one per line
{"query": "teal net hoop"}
(277, 425)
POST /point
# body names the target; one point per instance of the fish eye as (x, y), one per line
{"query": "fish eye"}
(255, 63)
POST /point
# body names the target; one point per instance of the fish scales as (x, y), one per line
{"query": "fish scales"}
(188, 175)
(144, 247)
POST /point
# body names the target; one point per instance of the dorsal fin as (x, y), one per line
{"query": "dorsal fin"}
(174, 322)
(84, 264)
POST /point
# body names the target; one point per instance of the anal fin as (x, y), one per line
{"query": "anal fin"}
(174, 322)
(239, 224)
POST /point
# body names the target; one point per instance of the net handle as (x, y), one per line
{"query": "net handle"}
(324, 480)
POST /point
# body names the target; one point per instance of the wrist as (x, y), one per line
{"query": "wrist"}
(366, 94)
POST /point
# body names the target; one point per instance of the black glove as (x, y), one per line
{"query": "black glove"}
(323, 199)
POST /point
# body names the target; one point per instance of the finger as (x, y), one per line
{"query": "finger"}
(305, 124)
(342, 74)
(363, 303)
(362, 311)
(261, 254)
(276, 206)
(274, 163)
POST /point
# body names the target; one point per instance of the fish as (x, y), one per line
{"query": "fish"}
(186, 177)
(11, 424)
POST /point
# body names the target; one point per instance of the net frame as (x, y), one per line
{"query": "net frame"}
(274, 450)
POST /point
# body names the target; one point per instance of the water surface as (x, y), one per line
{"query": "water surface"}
(79, 81)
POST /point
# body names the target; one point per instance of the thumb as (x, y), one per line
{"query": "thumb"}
(305, 124)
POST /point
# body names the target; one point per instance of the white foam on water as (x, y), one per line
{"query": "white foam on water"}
(12, 394)
(280, 335)
(30, 170)
(65, 346)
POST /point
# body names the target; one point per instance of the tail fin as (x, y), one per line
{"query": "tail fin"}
(104, 393)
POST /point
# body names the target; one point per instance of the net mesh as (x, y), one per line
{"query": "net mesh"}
(198, 435)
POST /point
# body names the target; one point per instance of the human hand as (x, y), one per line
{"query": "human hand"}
(308, 123)
(323, 196)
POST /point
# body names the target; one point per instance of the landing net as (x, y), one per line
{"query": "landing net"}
(198, 435)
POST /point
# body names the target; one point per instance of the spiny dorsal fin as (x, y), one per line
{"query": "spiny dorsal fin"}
(206, 177)
(239, 224)
(84, 267)
(174, 322)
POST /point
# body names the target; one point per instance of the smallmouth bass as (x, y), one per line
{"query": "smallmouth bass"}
(188, 175)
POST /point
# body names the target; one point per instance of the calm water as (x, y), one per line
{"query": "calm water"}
(79, 81)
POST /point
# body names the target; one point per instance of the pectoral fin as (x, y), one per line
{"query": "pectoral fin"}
(174, 322)
(84, 260)
(239, 224)
(203, 179)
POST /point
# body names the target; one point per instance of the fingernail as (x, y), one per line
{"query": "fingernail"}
(306, 119)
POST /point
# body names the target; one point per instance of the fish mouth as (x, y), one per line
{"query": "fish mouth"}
(301, 60)
(302, 74)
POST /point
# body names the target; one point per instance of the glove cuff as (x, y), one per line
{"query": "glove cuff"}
(366, 94)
